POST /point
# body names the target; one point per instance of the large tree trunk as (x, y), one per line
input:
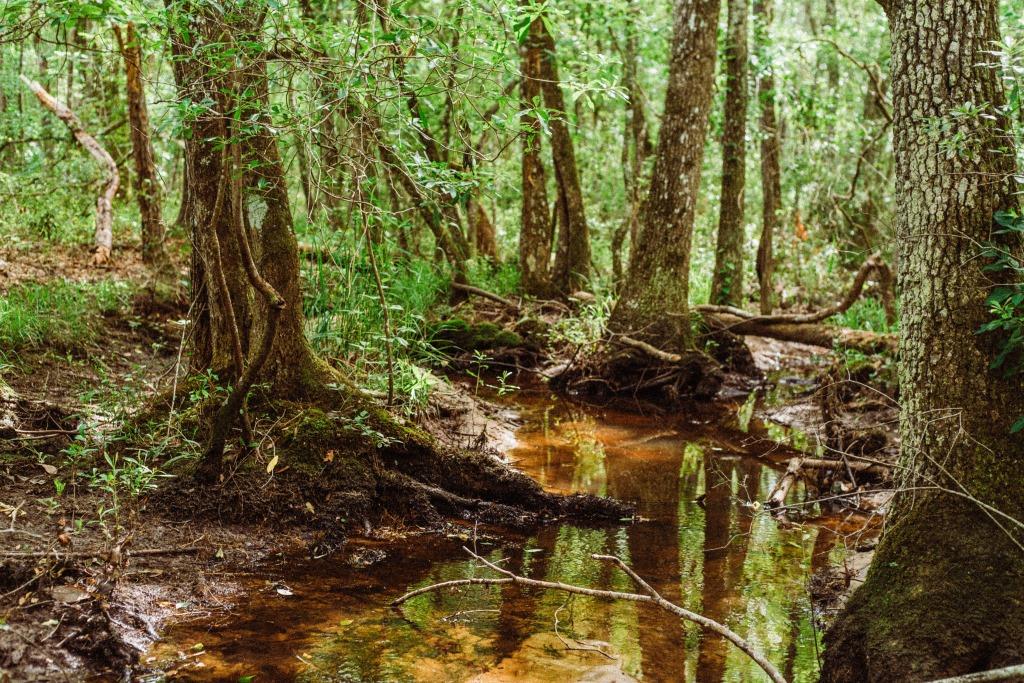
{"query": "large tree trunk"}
(147, 184)
(572, 258)
(231, 318)
(771, 183)
(535, 227)
(945, 593)
(654, 301)
(727, 280)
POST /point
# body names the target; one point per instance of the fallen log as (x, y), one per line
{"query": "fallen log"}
(806, 328)
(777, 498)
(873, 264)
(853, 466)
(104, 237)
(826, 336)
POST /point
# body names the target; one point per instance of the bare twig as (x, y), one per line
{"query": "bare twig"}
(650, 596)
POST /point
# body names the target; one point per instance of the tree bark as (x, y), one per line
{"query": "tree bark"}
(572, 258)
(232, 318)
(945, 593)
(636, 146)
(771, 183)
(147, 184)
(104, 236)
(727, 280)
(654, 301)
(535, 227)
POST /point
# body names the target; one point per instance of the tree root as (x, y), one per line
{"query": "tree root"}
(345, 463)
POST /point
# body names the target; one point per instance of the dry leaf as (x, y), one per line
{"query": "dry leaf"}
(271, 465)
(50, 469)
(329, 456)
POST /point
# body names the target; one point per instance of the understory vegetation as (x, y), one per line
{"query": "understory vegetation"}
(301, 279)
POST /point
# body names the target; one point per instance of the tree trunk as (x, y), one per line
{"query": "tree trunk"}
(231, 318)
(572, 258)
(654, 301)
(535, 227)
(727, 280)
(636, 146)
(771, 184)
(482, 229)
(945, 593)
(147, 184)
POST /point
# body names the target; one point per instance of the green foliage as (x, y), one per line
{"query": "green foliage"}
(867, 313)
(59, 314)
(1006, 300)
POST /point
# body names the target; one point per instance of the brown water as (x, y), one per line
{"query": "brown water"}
(721, 556)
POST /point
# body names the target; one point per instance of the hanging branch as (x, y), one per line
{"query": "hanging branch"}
(104, 238)
(649, 595)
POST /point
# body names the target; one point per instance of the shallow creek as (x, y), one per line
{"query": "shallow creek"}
(703, 542)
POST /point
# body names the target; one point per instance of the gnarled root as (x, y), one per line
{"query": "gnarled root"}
(630, 368)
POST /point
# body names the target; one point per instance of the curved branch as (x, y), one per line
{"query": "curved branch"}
(873, 263)
(650, 595)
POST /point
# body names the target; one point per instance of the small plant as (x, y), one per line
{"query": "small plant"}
(1006, 300)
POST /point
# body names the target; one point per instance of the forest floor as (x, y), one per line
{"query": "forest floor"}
(89, 575)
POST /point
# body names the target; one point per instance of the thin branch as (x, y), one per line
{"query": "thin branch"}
(651, 596)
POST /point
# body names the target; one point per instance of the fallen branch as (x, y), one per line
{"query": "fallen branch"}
(826, 336)
(105, 202)
(650, 595)
(873, 263)
(476, 291)
(777, 498)
(1009, 673)
(651, 351)
(101, 554)
(865, 467)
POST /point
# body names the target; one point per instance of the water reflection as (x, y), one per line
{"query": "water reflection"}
(701, 543)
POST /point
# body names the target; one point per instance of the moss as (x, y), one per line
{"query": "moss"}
(457, 335)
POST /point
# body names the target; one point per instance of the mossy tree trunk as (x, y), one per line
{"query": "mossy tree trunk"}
(945, 593)
(654, 301)
(771, 175)
(727, 280)
(535, 226)
(230, 318)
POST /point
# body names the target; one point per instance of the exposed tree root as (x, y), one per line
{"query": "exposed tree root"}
(641, 371)
(345, 463)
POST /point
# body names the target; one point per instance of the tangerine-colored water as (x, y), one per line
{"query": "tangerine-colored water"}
(703, 542)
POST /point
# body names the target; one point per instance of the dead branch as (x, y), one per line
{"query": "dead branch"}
(100, 554)
(855, 466)
(651, 351)
(649, 595)
(827, 336)
(483, 293)
(105, 202)
(1009, 673)
(873, 263)
(777, 498)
